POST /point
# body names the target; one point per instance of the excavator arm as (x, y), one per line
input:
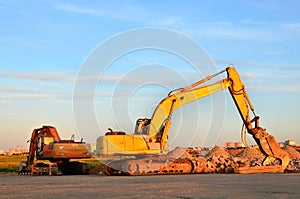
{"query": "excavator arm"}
(266, 142)
(161, 118)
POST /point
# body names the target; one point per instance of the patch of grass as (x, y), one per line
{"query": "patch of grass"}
(12, 158)
(10, 163)
(9, 168)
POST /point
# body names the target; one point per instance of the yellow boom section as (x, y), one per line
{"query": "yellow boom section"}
(240, 96)
(160, 120)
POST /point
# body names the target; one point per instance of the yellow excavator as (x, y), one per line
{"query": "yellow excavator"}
(148, 144)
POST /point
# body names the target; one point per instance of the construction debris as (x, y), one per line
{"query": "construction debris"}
(218, 160)
(251, 153)
(222, 160)
(179, 152)
(294, 155)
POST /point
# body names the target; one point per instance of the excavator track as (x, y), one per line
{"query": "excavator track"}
(149, 166)
(44, 169)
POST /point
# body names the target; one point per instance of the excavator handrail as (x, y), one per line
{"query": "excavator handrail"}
(196, 83)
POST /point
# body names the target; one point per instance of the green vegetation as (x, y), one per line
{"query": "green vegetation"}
(10, 163)
(12, 158)
(9, 168)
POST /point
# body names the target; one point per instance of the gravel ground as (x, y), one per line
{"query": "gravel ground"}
(167, 186)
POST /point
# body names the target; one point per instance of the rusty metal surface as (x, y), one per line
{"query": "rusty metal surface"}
(70, 150)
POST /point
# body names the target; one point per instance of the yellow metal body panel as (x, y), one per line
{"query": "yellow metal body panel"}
(126, 145)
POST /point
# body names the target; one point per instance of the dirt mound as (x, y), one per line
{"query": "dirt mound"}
(217, 151)
(251, 153)
(177, 152)
(218, 160)
(292, 152)
(293, 167)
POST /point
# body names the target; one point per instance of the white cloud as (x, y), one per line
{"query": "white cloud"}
(221, 23)
(169, 21)
(245, 30)
(270, 51)
(242, 64)
(240, 33)
(13, 89)
(255, 22)
(76, 9)
(120, 11)
(38, 76)
(28, 96)
(292, 25)
(275, 89)
(249, 75)
(230, 31)
(61, 77)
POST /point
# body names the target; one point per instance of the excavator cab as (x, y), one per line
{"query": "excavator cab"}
(41, 142)
(141, 126)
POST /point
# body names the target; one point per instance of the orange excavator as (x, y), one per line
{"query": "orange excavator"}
(147, 147)
(46, 144)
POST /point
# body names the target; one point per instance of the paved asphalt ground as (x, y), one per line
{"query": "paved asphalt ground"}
(167, 186)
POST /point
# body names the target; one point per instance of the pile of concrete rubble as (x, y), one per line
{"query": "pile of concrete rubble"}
(221, 160)
(294, 165)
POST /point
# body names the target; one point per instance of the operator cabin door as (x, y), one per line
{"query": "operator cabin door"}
(39, 147)
(41, 142)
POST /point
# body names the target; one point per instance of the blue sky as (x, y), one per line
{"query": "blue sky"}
(44, 43)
